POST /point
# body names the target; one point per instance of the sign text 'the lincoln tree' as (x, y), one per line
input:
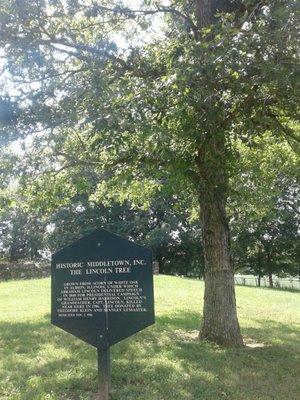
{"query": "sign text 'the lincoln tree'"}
(102, 288)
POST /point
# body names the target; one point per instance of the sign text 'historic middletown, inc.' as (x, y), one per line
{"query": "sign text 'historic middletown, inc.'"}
(102, 288)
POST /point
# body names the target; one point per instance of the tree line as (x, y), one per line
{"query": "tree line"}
(265, 237)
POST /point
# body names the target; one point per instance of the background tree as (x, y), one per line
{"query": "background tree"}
(269, 245)
(265, 208)
(173, 238)
(22, 235)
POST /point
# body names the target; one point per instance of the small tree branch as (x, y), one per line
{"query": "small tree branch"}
(288, 132)
(131, 13)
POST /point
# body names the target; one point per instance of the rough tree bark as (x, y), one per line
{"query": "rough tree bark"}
(220, 322)
(205, 10)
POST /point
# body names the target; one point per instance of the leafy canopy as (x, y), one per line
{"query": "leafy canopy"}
(140, 117)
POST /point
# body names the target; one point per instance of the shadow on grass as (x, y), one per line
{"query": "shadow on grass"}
(163, 362)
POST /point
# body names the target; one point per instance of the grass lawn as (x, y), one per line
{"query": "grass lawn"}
(163, 362)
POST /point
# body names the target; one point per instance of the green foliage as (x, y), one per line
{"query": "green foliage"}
(264, 208)
(24, 269)
(128, 119)
(163, 227)
(22, 234)
(142, 115)
(259, 175)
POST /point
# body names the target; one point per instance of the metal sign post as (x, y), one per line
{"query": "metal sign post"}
(104, 373)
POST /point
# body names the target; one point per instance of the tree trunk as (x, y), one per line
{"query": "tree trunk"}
(159, 259)
(220, 323)
(270, 279)
(259, 268)
(259, 280)
(205, 10)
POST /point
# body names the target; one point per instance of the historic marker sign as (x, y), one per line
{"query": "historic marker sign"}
(102, 288)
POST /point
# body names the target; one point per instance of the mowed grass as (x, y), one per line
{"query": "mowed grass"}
(163, 362)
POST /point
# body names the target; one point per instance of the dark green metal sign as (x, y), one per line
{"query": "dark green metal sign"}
(102, 288)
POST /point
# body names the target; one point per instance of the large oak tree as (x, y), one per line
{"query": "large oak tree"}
(161, 112)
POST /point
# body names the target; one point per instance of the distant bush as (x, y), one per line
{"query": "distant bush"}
(24, 270)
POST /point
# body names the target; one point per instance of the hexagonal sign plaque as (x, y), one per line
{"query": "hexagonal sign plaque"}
(102, 288)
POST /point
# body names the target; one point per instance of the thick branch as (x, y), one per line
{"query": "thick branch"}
(99, 52)
(287, 131)
(160, 9)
